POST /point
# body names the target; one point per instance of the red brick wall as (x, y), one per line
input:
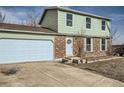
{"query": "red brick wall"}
(78, 45)
(96, 49)
(109, 46)
(60, 46)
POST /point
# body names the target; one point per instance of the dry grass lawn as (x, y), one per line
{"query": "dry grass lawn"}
(112, 69)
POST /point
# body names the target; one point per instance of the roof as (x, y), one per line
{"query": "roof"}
(72, 11)
(25, 28)
(118, 45)
(15, 28)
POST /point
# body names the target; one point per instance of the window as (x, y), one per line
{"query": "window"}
(88, 44)
(103, 25)
(69, 19)
(88, 23)
(103, 44)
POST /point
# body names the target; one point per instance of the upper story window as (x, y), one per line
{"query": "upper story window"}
(88, 23)
(103, 25)
(69, 19)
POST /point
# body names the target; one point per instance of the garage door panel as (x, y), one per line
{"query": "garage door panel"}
(25, 50)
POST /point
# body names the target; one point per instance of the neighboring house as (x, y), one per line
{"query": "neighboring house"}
(118, 50)
(61, 32)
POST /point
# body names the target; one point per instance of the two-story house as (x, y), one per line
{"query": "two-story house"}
(62, 32)
(94, 31)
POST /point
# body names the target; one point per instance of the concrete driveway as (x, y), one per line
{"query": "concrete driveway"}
(54, 75)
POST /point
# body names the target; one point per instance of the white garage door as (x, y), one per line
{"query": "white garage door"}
(13, 51)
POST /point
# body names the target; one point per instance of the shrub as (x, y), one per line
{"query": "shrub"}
(9, 71)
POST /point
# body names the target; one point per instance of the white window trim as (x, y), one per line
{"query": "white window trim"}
(85, 44)
(69, 20)
(106, 48)
(100, 44)
(91, 45)
(105, 45)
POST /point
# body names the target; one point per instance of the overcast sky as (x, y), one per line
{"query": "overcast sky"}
(19, 15)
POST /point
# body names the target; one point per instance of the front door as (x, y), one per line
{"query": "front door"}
(69, 46)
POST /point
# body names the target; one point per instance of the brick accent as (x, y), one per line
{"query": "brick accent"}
(60, 46)
(109, 46)
(96, 49)
(78, 45)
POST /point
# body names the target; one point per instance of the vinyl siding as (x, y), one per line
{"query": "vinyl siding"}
(50, 20)
(79, 25)
(62, 28)
(25, 36)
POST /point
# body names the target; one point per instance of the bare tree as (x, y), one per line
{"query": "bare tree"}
(114, 35)
(79, 44)
(78, 40)
(31, 18)
(113, 32)
(2, 17)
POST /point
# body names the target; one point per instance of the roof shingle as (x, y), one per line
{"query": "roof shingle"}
(25, 28)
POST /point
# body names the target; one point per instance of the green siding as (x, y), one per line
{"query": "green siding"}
(25, 36)
(79, 25)
(50, 20)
